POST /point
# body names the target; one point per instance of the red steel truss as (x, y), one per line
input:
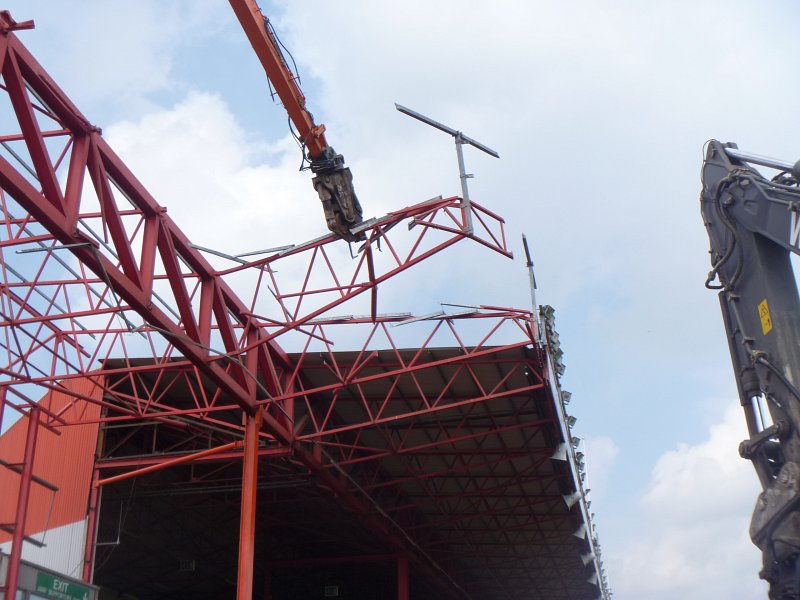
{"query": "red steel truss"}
(97, 280)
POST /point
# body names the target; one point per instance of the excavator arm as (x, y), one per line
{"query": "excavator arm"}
(332, 180)
(753, 225)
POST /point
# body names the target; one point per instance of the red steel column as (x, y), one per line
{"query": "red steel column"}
(26, 476)
(2, 404)
(91, 526)
(402, 578)
(247, 522)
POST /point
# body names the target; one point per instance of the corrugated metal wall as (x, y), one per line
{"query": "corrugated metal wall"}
(67, 461)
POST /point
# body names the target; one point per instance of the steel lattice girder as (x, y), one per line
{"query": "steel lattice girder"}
(200, 303)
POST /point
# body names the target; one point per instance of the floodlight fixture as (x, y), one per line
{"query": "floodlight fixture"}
(460, 140)
(572, 498)
(560, 452)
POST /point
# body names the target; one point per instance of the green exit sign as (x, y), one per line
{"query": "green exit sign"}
(52, 586)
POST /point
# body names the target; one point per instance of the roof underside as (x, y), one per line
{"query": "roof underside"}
(465, 485)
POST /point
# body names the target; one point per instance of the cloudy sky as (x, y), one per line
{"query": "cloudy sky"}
(599, 110)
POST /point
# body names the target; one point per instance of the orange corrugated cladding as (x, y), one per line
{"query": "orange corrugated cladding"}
(65, 460)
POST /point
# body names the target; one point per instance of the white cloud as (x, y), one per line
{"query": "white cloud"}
(693, 541)
(114, 52)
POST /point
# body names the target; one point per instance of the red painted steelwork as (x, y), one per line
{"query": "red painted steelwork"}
(403, 590)
(441, 434)
(72, 478)
(247, 525)
(91, 528)
(140, 461)
(26, 477)
(165, 464)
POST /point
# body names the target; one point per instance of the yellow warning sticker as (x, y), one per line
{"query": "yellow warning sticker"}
(766, 319)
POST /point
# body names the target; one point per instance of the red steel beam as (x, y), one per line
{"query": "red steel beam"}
(138, 461)
(170, 463)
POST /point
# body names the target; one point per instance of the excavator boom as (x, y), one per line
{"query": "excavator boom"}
(753, 226)
(332, 180)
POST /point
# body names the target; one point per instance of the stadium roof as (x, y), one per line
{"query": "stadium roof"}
(457, 470)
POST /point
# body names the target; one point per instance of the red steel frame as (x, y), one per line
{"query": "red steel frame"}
(101, 276)
(26, 479)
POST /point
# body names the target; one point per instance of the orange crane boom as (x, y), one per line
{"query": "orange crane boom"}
(332, 180)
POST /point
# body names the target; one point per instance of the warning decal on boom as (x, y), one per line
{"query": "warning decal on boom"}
(766, 319)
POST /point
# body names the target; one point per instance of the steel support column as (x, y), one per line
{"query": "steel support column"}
(247, 523)
(402, 578)
(26, 477)
(91, 526)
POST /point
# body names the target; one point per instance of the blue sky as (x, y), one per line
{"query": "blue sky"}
(599, 111)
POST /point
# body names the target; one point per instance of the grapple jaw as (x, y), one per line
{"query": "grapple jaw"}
(339, 201)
